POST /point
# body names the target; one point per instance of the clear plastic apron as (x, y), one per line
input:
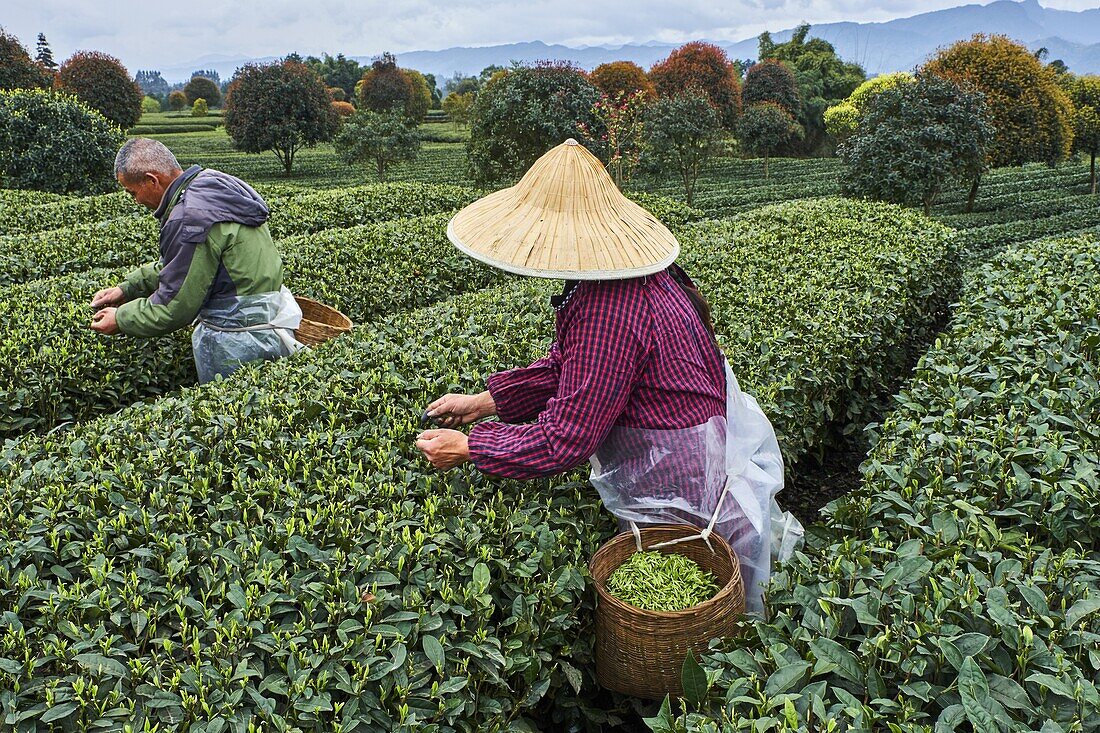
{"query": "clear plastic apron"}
(230, 332)
(721, 476)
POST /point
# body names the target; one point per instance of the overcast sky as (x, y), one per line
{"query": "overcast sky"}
(147, 34)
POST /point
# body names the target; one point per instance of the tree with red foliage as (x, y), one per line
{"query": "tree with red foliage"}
(104, 84)
(771, 80)
(384, 87)
(17, 71)
(622, 79)
(705, 67)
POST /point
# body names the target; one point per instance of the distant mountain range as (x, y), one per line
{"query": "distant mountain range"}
(895, 45)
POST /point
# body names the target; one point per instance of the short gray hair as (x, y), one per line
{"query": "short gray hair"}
(141, 155)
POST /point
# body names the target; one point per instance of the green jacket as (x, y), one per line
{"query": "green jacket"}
(214, 244)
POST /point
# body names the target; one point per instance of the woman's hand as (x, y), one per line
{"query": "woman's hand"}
(452, 410)
(444, 448)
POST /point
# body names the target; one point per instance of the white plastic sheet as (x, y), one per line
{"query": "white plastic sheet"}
(721, 476)
(233, 331)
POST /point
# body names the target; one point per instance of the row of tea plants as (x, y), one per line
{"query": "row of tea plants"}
(57, 370)
(91, 241)
(272, 548)
(959, 587)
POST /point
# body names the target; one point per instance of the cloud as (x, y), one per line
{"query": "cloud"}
(152, 35)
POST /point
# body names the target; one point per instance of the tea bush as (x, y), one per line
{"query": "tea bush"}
(66, 212)
(59, 370)
(273, 548)
(822, 301)
(131, 241)
(53, 142)
(960, 585)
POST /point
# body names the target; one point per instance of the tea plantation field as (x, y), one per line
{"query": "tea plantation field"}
(271, 552)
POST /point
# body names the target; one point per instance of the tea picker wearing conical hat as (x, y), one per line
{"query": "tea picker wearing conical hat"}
(634, 381)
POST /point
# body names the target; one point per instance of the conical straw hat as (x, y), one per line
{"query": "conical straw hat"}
(564, 219)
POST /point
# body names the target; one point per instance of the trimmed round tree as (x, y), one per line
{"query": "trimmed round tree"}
(54, 142)
(382, 139)
(705, 67)
(1084, 91)
(201, 87)
(824, 79)
(841, 119)
(764, 128)
(17, 70)
(914, 140)
(200, 108)
(521, 113)
(150, 104)
(384, 86)
(102, 83)
(282, 107)
(620, 79)
(1032, 115)
(420, 96)
(770, 80)
(681, 135)
(458, 106)
(177, 100)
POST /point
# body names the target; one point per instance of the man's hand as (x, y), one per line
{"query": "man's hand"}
(444, 448)
(104, 322)
(453, 410)
(108, 296)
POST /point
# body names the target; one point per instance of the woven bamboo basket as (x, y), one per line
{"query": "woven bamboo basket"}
(641, 653)
(319, 322)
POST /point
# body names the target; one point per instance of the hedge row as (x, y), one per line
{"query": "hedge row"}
(363, 271)
(830, 339)
(987, 240)
(36, 218)
(130, 241)
(960, 586)
(57, 370)
(21, 197)
(272, 548)
(1020, 179)
(1057, 202)
(167, 129)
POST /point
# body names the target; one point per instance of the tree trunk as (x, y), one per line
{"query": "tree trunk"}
(381, 170)
(1092, 173)
(973, 194)
(928, 207)
(766, 174)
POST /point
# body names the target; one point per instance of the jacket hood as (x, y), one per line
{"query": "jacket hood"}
(219, 197)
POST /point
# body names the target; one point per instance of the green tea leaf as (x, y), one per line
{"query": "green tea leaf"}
(58, 712)
(975, 691)
(831, 655)
(434, 651)
(786, 678)
(1080, 610)
(101, 665)
(693, 678)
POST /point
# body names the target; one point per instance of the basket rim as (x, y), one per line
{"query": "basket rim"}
(346, 322)
(721, 596)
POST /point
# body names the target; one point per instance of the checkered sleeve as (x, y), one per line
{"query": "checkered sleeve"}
(521, 394)
(602, 353)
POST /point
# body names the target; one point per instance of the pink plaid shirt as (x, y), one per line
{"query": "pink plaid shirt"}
(631, 353)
